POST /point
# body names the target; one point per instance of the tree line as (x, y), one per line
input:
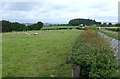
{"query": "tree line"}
(88, 22)
(117, 25)
(8, 26)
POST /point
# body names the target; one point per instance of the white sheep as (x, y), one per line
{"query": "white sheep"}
(35, 33)
(26, 33)
(29, 33)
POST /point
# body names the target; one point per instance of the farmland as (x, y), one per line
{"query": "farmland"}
(59, 27)
(74, 39)
(38, 56)
(51, 51)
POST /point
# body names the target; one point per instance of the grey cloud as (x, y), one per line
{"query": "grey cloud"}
(58, 11)
(19, 6)
(102, 6)
(58, 7)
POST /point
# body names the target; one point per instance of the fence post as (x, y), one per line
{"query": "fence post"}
(76, 71)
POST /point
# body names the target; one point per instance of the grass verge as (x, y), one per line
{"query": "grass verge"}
(110, 34)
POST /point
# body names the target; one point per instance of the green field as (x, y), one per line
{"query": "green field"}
(59, 27)
(38, 56)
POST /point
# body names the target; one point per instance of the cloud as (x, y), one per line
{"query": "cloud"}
(60, 11)
(19, 6)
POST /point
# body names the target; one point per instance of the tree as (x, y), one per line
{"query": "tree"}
(6, 26)
(110, 24)
(40, 25)
(76, 22)
(36, 26)
(117, 25)
(15, 26)
(104, 24)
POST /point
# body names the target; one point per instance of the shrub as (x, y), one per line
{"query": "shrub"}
(94, 56)
(93, 27)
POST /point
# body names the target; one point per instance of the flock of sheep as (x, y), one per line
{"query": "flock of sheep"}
(31, 33)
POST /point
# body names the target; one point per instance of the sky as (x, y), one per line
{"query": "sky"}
(59, 11)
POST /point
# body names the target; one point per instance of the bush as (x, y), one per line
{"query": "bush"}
(93, 27)
(94, 56)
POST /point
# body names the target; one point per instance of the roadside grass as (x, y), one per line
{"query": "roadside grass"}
(108, 27)
(38, 55)
(111, 34)
(115, 33)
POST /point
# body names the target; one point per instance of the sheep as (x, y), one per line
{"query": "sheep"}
(35, 33)
(26, 33)
(29, 33)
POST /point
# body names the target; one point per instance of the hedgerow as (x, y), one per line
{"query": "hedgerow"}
(94, 56)
(113, 29)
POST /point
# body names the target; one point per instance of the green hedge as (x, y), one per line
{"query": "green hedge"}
(94, 56)
(62, 27)
(113, 29)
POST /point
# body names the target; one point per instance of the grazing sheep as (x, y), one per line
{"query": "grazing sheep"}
(35, 33)
(26, 33)
(52, 75)
(29, 33)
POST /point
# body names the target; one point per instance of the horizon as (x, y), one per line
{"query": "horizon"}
(58, 23)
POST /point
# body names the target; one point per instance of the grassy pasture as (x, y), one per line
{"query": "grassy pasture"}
(59, 27)
(38, 56)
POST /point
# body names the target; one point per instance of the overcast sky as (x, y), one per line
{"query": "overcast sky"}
(60, 11)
